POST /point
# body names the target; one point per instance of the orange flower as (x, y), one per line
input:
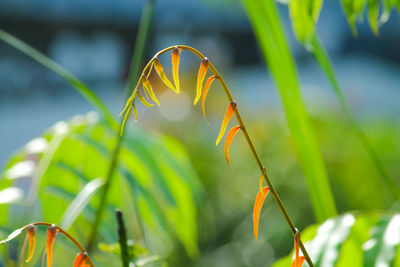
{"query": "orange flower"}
(160, 71)
(261, 195)
(298, 260)
(31, 239)
(228, 115)
(80, 260)
(51, 237)
(203, 96)
(175, 67)
(229, 138)
(200, 78)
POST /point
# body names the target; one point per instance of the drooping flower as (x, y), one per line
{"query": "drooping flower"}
(204, 94)
(261, 195)
(160, 71)
(149, 89)
(229, 138)
(175, 67)
(31, 242)
(200, 78)
(298, 260)
(81, 259)
(51, 237)
(228, 115)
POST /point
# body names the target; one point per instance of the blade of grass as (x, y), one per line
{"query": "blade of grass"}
(140, 45)
(265, 20)
(55, 67)
(324, 61)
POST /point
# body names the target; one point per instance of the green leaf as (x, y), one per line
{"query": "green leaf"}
(304, 15)
(153, 172)
(79, 203)
(268, 30)
(364, 239)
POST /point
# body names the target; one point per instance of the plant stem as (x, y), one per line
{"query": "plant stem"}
(135, 64)
(245, 133)
(122, 239)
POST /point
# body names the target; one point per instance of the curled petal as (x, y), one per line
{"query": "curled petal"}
(299, 262)
(149, 89)
(200, 78)
(51, 237)
(135, 112)
(227, 118)
(31, 242)
(144, 101)
(261, 195)
(203, 96)
(160, 71)
(229, 137)
(175, 68)
(262, 179)
(128, 112)
(80, 259)
(127, 104)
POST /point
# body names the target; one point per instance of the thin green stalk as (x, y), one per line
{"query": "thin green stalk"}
(135, 64)
(122, 239)
(140, 44)
(325, 63)
(243, 129)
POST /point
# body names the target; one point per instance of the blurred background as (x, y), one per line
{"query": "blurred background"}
(94, 40)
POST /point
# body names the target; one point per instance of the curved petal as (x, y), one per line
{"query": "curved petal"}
(227, 118)
(229, 138)
(299, 262)
(200, 78)
(149, 89)
(128, 112)
(51, 237)
(144, 101)
(31, 241)
(203, 96)
(175, 68)
(261, 195)
(80, 259)
(160, 71)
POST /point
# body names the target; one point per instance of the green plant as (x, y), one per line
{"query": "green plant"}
(232, 109)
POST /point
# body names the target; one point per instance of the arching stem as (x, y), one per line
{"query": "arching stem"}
(244, 131)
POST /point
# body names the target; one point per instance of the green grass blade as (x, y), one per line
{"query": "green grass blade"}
(79, 203)
(323, 59)
(265, 20)
(140, 45)
(50, 64)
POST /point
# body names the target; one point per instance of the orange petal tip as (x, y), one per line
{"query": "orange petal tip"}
(229, 138)
(261, 195)
(228, 115)
(31, 242)
(200, 78)
(80, 260)
(51, 237)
